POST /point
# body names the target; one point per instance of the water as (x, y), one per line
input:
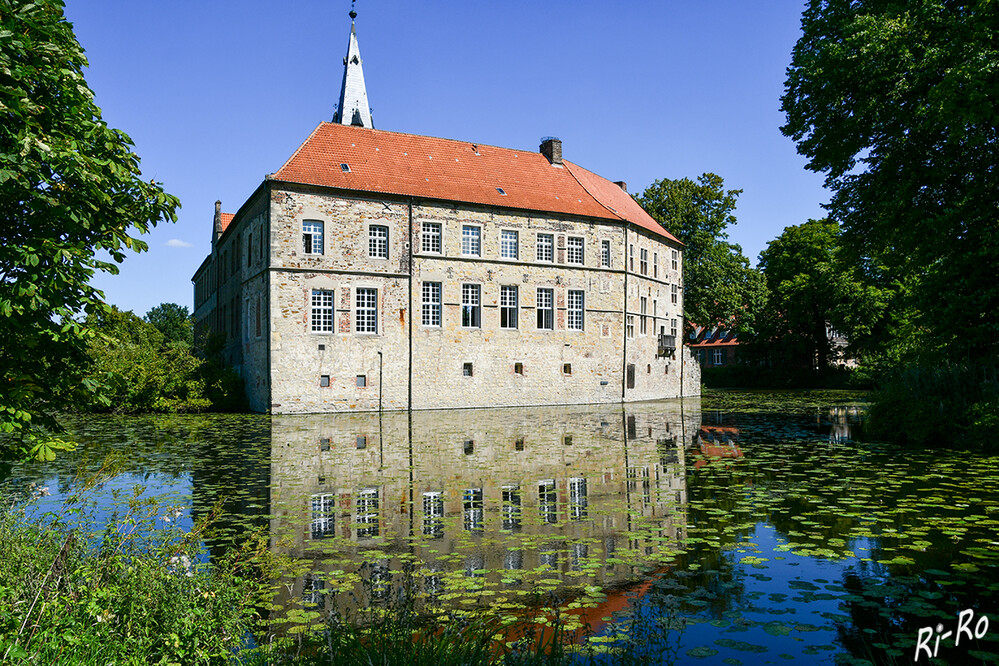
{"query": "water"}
(742, 528)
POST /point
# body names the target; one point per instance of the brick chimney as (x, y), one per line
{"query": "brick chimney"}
(217, 226)
(623, 185)
(551, 147)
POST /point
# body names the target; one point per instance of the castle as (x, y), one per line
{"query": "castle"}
(382, 270)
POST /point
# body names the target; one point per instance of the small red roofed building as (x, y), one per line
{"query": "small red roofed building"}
(384, 270)
(714, 347)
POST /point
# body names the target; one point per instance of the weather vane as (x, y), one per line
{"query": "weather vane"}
(353, 14)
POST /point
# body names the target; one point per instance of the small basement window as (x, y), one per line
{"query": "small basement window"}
(466, 370)
(322, 347)
(469, 446)
(567, 368)
(519, 445)
(567, 440)
(362, 381)
(324, 380)
(362, 441)
(518, 368)
(324, 443)
(344, 167)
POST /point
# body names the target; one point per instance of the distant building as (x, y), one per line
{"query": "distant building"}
(386, 270)
(714, 347)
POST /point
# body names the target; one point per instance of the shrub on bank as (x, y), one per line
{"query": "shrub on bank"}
(123, 594)
(749, 376)
(946, 405)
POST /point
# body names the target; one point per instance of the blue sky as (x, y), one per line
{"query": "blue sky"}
(217, 94)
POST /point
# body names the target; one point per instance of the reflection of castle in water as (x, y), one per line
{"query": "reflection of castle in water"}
(588, 494)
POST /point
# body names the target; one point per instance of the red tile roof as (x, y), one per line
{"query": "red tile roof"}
(450, 170)
(226, 219)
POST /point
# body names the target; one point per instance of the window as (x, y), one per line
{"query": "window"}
(469, 447)
(367, 513)
(673, 294)
(672, 330)
(567, 370)
(630, 383)
(518, 368)
(361, 381)
(574, 254)
(643, 320)
(258, 328)
(433, 514)
(471, 306)
(471, 241)
(378, 241)
(510, 510)
(431, 303)
(548, 501)
(430, 239)
(509, 244)
(605, 256)
(631, 257)
(577, 498)
(472, 509)
(324, 380)
(575, 320)
(366, 310)
(643, 261)
(655, 264)
(312, 236)
(361, 442)
(508, 306)
(629, 326)
(323, 515)
(466, 370)
(674, 260)
(719, 357)
(322, 311)
(249, 250)
(546, 247)
(546, 310)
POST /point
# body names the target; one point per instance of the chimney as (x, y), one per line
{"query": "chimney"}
(623, 185)
(551, 147)
(217, 228)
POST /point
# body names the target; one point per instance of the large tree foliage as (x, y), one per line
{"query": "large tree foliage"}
(72, 203)
(173, 321)
(896, 102)
(814, 289)
(719, 287)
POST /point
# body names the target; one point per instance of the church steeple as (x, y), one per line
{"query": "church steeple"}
(353, 108)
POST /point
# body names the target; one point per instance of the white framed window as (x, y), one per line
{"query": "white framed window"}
(508, 306)
(366, 310)
(577, 498)
(546, 248)
(546, 309)
(655, 264)
(576, 308)
(509, 244)
(378, 241)
(431, 304)
(433, 514)
(643, 322)
(643, 261)
(674, 260)
(629, 326)
(672, 327)
(322, 311)
(430, 238)
(574, 250)
(471, 241)
(323, 515)
(605, 254)
(673, 294)
(719, 358)
(312, 236)
(366, 514)
(471, 305)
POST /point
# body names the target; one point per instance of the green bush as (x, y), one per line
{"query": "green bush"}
(127, 593)
(946, 405)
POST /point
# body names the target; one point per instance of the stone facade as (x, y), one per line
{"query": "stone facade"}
(331, 300)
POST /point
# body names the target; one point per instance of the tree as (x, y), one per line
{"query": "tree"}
(813, 284)
(718, 284)
(72, 202)
(895, 101)
(173, 321)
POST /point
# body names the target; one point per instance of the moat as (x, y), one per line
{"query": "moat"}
(744, 527)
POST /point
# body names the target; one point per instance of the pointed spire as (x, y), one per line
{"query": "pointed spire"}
(353, 108)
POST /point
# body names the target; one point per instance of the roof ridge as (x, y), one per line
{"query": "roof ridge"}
(302, 145)
(479, 144)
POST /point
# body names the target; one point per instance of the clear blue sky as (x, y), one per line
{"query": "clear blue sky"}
(217, 94)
